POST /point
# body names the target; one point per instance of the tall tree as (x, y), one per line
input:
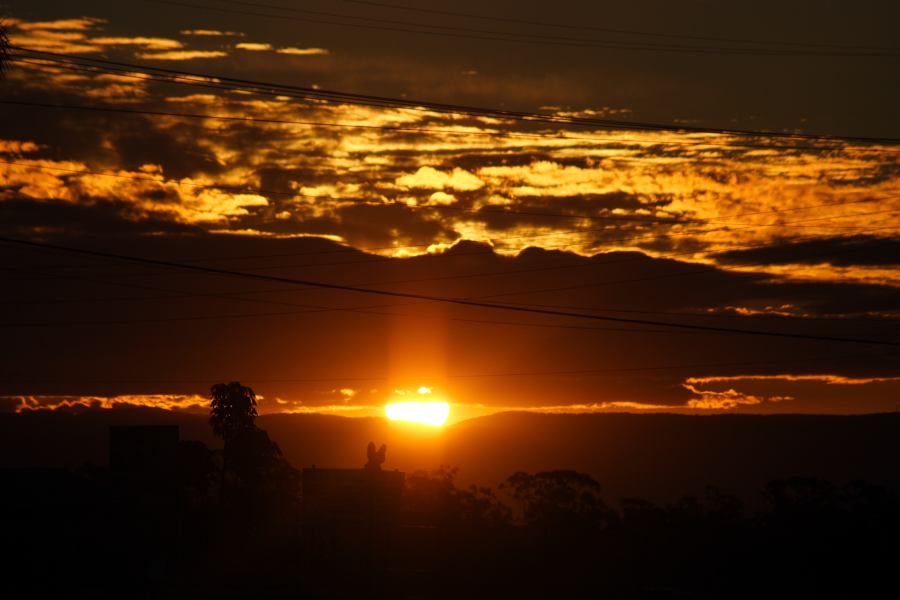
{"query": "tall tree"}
(232, 410)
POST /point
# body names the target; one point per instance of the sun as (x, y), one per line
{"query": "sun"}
(424, 413)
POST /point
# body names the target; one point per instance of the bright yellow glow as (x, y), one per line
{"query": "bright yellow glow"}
(425, 413)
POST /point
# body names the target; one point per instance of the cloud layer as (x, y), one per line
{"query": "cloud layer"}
(700, 228)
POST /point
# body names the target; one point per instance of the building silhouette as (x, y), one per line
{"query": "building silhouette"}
(143, 465)
(350, 512)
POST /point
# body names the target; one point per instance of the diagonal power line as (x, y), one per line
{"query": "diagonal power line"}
(620, 31)
(415, 104)
(426, 297)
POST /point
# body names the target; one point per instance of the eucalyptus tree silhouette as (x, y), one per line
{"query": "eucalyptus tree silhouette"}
(559, 499)
(232, 410)
(258, 486)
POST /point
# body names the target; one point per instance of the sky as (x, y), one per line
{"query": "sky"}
(788, 235)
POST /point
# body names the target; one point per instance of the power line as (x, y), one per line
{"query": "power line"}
(583, 27)
(668, 255)
(800, 223)
(238, 295)
(430, 298)
(231, 296)
(545, 373)
(561, 40)
(178, 294)
(366, 309)
(400, 128)
(393, 25)
(386, 261)
(270, 121)
(171, 79)
(383, 101)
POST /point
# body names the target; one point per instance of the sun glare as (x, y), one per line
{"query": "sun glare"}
(425, 413)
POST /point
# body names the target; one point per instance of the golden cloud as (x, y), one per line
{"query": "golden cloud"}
(150, 43)
(726, 399)
(211, 33)
(596, 407)
(163, 401)
(441, 198)
(54, 41)
(63, 35)
(253, 46)
(431, 178)
(303, 51)
(827, 379)
(18, 147)
(182, 54)
(735, 188)
(82, 24)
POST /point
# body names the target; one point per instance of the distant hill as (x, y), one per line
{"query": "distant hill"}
(662, 456)
(653, 456)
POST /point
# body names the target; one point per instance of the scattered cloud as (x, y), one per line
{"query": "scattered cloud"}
(431, 178)
(726, 399)
(253, 46)
(442, 198)
(824, 378)
(79, 24)
(182, 55)
(211, 33)
(163, 401)
(149, 43)
(68, 36)
(265, 47)
(303, 51)
(18, 147)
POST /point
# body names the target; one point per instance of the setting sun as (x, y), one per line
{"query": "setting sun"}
(425, 413)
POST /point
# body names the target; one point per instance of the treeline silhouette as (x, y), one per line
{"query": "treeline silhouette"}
(198, 522)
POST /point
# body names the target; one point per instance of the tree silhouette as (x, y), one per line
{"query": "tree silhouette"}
(253, 457)
(232, 410)
(559, 499)
(434, 499)
(258, 488)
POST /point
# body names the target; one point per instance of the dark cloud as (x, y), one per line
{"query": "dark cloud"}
(112, 324)
(74, 326)
(22, 217)
(145, 145)
(839, 251)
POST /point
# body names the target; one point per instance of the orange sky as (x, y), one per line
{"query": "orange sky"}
(703, 228)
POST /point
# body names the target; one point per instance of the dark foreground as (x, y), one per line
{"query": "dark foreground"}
(174, 519)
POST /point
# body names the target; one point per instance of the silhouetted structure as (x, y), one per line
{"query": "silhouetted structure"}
(350, 511)
(143, 463)
(99, 532)
(375, 457)
(143, 451)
